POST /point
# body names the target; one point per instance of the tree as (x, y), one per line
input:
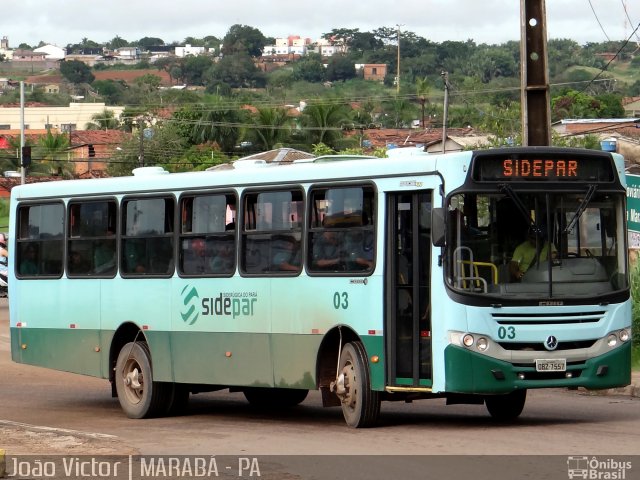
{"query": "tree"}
(242, 38)
(105, 120)
(110, 90)
(271, 127)
(310, 69)
(398, 112)
(146, 42)
(194, 69)
(236, 70)
(117, 42)
(340, 67)
(212, 122)
(323, 122)
(76, 72)
(52, 152)
(422, 94)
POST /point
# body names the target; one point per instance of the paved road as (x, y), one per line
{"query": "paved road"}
(48, 411)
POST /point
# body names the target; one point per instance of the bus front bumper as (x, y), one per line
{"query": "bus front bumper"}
(471, 372)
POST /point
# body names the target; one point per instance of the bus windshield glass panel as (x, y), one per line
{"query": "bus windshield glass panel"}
(536, 245)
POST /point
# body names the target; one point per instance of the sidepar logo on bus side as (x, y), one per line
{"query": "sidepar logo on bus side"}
(225, 304)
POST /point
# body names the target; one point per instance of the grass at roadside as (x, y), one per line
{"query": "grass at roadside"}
(635, 358)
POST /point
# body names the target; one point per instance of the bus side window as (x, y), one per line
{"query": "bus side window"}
(39, 243)
(207, 234)
(147, 236)
(342, 229)
(272, 231)
(91, 244)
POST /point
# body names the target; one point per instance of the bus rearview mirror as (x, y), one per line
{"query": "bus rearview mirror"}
(437, 227)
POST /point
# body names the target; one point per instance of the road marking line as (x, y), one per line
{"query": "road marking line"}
(56, 430)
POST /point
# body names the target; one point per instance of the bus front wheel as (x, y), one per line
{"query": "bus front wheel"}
(138, 394)
(506, 407)
(360, 404)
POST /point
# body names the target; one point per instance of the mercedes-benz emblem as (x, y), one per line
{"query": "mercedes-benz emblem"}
(551, 343)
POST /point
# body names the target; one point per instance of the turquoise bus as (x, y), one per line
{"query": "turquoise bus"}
(368, 279)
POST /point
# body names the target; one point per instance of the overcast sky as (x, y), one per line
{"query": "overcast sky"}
(484, 21)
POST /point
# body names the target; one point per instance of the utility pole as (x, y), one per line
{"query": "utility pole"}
(534, 75)
(445, 114)
(23, 169)
(398, 66)
(141, 151)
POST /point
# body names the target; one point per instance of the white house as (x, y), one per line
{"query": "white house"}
(189, 50)
(53, 52)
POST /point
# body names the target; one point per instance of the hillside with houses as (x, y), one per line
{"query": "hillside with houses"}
(95, 109)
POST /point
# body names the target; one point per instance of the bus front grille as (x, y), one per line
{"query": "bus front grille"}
(548, 319)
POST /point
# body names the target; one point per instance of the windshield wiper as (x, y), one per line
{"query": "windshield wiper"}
(521, 207)
(581, 208)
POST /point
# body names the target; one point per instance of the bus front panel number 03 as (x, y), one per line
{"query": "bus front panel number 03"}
(340, 300)
(509, 332)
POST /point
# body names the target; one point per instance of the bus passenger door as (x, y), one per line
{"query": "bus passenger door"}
(408, 312)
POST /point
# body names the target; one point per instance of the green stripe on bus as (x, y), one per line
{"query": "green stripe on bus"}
(471, 372)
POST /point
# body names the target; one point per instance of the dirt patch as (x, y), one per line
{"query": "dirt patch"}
(23, 440)
(126, 75)
(130, 75)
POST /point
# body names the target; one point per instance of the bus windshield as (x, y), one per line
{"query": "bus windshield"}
(536, 245)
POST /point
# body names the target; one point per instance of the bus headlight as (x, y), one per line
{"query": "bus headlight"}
(482, 344)
(467, 340)
(624, 335)
(612, 340)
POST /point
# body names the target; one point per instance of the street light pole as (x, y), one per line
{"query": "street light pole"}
(23, 169)
(398, 66)
(445, 114)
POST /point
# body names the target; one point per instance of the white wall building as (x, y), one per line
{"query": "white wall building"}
(189, 50)
(53, 52)
(74, 117)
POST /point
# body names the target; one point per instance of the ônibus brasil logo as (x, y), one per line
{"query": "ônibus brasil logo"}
(190, 299)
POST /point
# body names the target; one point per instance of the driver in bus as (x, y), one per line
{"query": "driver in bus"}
(526, 255)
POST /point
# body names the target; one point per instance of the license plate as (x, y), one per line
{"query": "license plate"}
(551, 365)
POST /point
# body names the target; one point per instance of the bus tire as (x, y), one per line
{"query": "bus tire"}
(508, 407)
(275, 398)
(360, 404)
(138, 394)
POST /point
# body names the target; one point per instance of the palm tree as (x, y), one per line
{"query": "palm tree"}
(220, 124)
(105, 120)
(52, 150)
(272, 126)
(324, 122)
(422, 93)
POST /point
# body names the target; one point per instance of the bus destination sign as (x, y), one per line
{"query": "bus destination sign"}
(517, 168)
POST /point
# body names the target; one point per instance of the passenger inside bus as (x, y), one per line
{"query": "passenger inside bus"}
(104, 256)
(78, 263)
(287, 256)
(28, 263)
(222, 255)
(360, 248)
(327, 251)
(195, 257)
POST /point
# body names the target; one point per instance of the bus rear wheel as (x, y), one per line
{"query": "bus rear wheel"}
(138, 394)
(360, 404)
(508, 407)
(274, 398)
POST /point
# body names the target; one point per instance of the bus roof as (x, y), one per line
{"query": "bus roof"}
(245, 173)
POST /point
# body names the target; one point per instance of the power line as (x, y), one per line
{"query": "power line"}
(624, 44)
(598, 20)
